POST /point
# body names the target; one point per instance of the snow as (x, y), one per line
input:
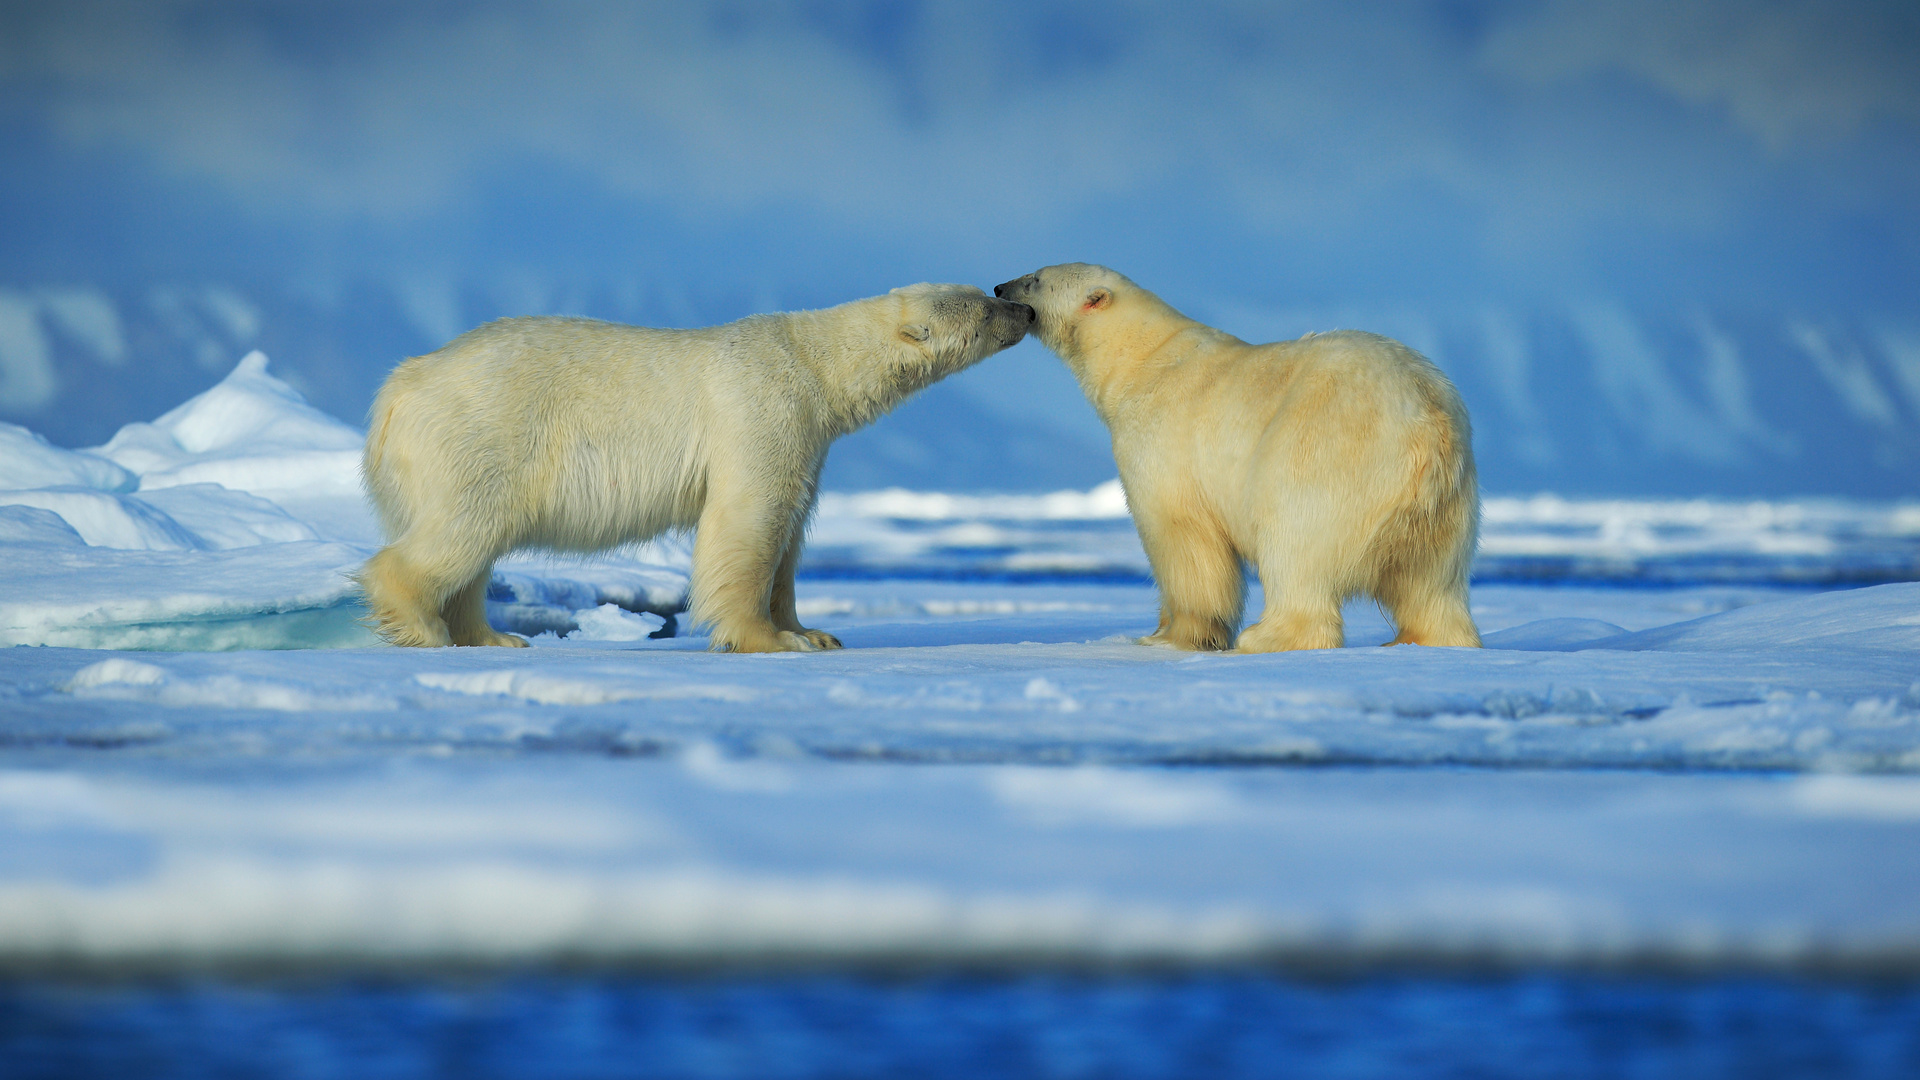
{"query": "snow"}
(1673, 751)
(31, 525)
(267, 596)
(1058, 680)
(29, 461)
(252, 432)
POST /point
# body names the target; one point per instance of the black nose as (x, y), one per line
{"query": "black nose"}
(1000, 291)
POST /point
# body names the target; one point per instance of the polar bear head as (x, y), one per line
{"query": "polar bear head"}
(947, 328)
(887, 347)
(1078, 303)
(959, 325)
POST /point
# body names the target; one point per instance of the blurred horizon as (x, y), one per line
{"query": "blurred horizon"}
(1663, 250)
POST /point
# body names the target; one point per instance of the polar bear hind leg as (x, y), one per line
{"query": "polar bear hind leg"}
(1421, 579)
(403, 603)
(1420, 559)
(429, 589)
(1427, 614)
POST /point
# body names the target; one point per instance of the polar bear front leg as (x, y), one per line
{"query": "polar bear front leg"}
(782, 609)
(737, 551)
(1198, 571)
(1303, 576)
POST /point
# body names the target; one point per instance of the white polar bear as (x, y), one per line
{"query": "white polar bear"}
(1340, 464)
(577, 435)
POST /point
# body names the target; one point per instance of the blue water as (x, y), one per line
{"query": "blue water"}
(1207, 1025)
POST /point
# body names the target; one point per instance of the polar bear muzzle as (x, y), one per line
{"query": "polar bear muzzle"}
(1011, 321)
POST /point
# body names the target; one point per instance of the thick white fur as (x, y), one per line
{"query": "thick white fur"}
(1340, 464)
(577, 435)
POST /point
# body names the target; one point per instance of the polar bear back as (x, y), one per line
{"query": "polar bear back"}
(577, 434)
(1245, 418)
(581, 433)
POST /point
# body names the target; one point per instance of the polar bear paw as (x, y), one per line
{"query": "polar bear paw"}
(821, 639)
(767, 641)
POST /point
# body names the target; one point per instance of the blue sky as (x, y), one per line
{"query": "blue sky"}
(1582, 210)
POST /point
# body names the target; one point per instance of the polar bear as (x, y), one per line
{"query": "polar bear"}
(576, 435)
(1338, 465)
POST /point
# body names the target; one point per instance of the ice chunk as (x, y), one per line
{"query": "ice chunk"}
(104, 519)
(1880, 617)
(251, 432)
(115, 671)
(223, 518)
(609, 622)
(188, 518)
(1547, 634)
(252, 409)
(272, 596)
(29, 461)
(32, 525)
(534, 594)
(1104, 502)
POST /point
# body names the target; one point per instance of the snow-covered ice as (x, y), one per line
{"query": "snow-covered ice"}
(268, 596)
(1048, 674)
(1674, 750)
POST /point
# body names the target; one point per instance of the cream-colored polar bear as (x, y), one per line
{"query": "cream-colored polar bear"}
(1338, 465)
(577, 435)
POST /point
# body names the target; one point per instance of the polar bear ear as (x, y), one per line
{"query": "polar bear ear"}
(916, 331)
(1097, 299)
